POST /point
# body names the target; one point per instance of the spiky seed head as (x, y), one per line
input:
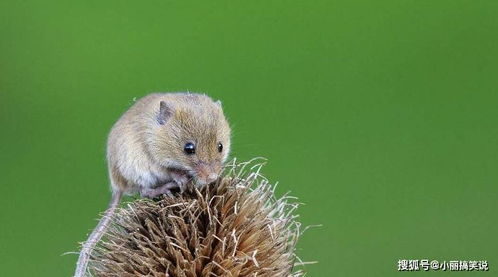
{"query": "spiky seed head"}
(234, 227)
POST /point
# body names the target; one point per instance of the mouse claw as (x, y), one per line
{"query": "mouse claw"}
(183, 187)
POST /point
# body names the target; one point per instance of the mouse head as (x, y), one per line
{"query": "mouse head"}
(192, 135)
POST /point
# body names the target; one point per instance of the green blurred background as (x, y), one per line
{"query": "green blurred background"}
(381, 116)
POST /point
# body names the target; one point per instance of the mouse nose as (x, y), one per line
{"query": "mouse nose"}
(212, 177)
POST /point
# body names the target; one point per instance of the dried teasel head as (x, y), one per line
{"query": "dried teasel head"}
(234, 227)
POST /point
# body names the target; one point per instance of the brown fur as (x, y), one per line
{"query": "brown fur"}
(145, 150)
(150, 145)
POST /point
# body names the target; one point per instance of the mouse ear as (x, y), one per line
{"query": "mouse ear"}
(218, 103)
(164, 113)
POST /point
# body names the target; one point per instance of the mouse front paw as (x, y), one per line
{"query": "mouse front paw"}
(181, 178)
(167, 189)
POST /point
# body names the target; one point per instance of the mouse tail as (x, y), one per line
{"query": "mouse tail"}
(81, 266)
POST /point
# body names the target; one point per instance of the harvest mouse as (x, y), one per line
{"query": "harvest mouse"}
(159, 144)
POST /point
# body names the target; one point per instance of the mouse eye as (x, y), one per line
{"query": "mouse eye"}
(189, 148)
(220, 147)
